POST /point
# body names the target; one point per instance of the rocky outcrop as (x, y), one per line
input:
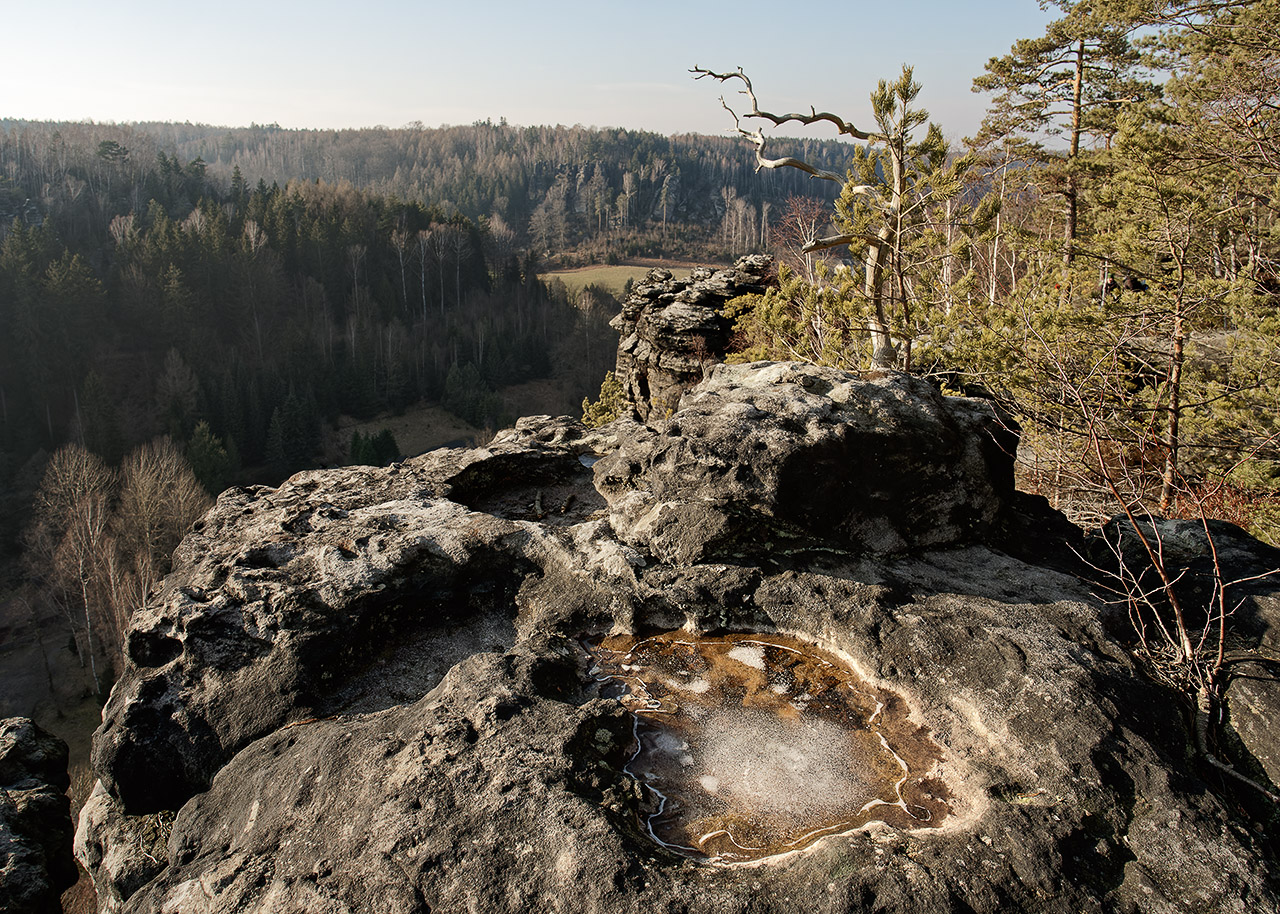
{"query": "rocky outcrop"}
(36, 865)
(673, 332)
(787, 455)
(1251, 571)
(367, 689)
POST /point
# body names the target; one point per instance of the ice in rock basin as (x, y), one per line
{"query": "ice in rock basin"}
(756, 745)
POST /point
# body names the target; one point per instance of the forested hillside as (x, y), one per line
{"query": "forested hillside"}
(236, 288)
(259, 312)
(610, 191)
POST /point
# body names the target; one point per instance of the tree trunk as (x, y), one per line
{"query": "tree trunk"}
(883, 354)
(1073, 191)
(995, 239)
(1171, 440)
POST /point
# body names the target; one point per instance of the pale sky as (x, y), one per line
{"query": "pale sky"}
(390, 62)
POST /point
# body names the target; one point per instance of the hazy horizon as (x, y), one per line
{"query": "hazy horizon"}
(392, 63)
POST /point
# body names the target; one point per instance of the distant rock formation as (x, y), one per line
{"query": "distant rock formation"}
(367, 689)
(672, 331)
(36, 865)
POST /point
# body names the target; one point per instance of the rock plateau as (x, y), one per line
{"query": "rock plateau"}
(367, 689)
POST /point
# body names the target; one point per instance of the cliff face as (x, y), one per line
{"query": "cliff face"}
(36, 865)
(368, 689)
(672, 331)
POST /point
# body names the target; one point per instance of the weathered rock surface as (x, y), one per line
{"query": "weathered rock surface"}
(1252, 645)
(784, 454)
(36, 865)
(672, 330)
(366, 689)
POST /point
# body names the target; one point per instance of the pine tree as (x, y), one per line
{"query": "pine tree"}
(897, 205)
(209, 459)
(373, 450)
(1073, 80)
(359, 453)
(99, 420)
(384, 448)
(607, 407)
(276, 454)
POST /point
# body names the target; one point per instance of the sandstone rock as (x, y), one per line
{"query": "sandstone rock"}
(672, 331)
(36, 865)
(122, 852)
(766, 454)
(1251, 570)
(372, 687)
(291, 603)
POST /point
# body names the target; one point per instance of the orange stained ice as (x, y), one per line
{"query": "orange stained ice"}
(756, 745)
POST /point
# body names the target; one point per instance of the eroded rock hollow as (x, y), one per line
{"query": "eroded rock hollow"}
(375, 689)
(751, 746)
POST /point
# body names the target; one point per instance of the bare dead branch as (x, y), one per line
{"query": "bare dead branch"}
(813, 117)
(835, 241)
(761, 142)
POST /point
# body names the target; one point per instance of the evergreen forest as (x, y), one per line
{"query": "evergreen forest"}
(187, 307)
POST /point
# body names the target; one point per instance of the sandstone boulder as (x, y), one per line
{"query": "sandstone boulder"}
(780, 454)
(672, 330)
(368, 689)
(36, 865)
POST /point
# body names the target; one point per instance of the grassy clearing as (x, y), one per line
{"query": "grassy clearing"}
(417, 431)
(423, 427)
(614, 277)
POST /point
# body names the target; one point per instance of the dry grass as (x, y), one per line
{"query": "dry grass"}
(422, 427)
(418, 430)
(614, 277)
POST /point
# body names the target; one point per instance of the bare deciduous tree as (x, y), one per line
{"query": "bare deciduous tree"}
(83, 554)
(400, 241)
(801, 225)
(424, 254)
(67, 538)
(159, 499)
(460, 248)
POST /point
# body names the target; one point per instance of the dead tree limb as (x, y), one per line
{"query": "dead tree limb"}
(813, 117)
(761, 142)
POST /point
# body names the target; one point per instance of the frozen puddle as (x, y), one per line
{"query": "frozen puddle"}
(754, 745)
